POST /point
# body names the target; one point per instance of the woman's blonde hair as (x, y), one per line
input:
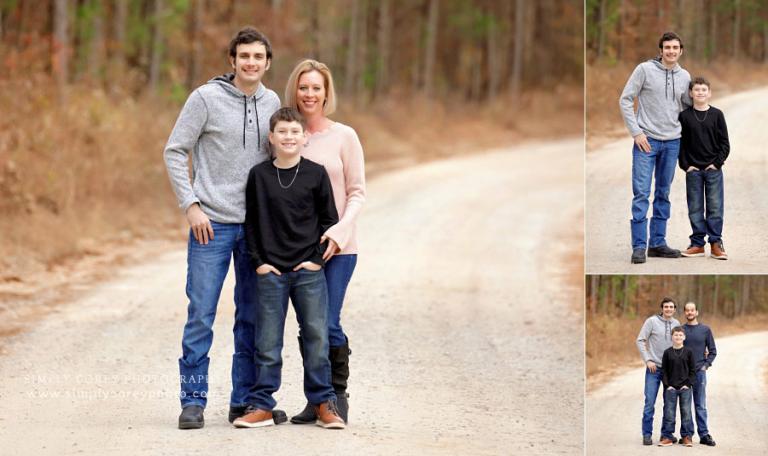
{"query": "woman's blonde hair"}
(305, 66)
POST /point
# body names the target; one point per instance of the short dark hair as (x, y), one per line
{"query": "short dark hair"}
(666, 300)
(287, 115)
(691, 302)
(249, 35)
(678, 329)
(698, 80)
(670, 36)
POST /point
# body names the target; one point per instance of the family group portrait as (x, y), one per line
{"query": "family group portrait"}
(284, 226)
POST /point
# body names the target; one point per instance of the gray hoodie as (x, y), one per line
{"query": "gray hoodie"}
(657, 333)
(661, 95)
(226, 133)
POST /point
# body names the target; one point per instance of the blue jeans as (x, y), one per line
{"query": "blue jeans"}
(308, 293)
(701, 186)
(338, 272)
(207, 266)
(652, 383)
(700, 402)
(662, 159)
(671, 397)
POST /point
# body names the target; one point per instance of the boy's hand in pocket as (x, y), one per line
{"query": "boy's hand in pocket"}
(308, 265)
(265, 269)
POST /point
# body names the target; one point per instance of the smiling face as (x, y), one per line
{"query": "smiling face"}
(700, 94)
(670, 52)
(690, 312)
(310, 93)
(678, 337)
(668, 309)
(287, 138)
(250, 63)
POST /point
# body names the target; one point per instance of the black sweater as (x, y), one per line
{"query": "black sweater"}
(704, 140)
(678, 368)
(283, 226)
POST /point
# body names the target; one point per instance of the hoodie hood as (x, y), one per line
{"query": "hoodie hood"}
(227, 82)
(667, 72)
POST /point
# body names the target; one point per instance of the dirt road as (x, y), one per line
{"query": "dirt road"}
(609, 199)
(737, 399)
(465, 335)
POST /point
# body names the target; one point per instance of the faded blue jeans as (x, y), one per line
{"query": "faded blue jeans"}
(671, 397)
(308, 292)
(660, 164)
(652, 383)
(706, 219)
(207, 267)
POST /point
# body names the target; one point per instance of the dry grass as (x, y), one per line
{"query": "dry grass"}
(604, 84)
(610, 344)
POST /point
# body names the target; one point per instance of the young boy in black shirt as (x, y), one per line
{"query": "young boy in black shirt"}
(679, 375)
(289, 206)
(704, 146)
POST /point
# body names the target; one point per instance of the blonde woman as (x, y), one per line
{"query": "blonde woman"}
(336, 147)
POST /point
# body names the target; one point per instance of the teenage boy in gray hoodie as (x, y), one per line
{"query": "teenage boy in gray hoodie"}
(655, 336)
(661, 88)
(223, 127)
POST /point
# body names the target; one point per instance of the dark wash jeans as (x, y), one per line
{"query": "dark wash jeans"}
(308, 292)
(207, 267)
(700, 402)
(671, 397)
(705, 195)
(660, 164)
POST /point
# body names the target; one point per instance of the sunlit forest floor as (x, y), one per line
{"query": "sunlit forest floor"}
(84, 180)
(610, 341)
(604, 84)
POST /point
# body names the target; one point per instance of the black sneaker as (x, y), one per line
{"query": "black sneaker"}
(707, 440)
(638, 256)
(647, 440)
(663, 251)
(191, 417)
(278, 416)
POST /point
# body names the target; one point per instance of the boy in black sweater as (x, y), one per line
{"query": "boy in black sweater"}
(704, 146)
(289, 207)
(679, 375)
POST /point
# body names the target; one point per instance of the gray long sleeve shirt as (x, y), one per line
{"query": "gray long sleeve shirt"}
(225, 132)
(661, 95)
(655, 337)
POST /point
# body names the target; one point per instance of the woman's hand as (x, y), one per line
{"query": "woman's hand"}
(332, 249)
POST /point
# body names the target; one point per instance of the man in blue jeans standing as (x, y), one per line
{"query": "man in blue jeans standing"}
(699, 339)
(661, 88)
(655, 336)
(223, 127)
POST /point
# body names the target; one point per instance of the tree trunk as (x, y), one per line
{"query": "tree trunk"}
(197, 13)
(625, 296)
(97, 48)
(715, 296)
(362, 48)
(594, 283)
(494, 67)
(383, 46)
(354, 32)
(156, 49)
(431, 48)
(517, 59)
(314, 27)
(736, 27)
(60, 48)
(601, 30)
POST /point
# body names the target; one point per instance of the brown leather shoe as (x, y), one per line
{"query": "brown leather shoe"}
(717, 251)
(666, 442)
(687, 441)
(693, 251)
(254, 418)
(328, 417)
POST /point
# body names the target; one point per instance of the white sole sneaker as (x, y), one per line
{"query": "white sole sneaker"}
(330, 425)
(691, 255)
(239, 423)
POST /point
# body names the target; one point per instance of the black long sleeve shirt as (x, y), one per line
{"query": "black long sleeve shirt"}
(704, 139)
(678, 368)
(283, 226)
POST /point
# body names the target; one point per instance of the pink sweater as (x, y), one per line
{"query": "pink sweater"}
(338, 149)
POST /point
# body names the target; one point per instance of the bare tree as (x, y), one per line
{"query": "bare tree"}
(431, 48)
(156, 48)
(195, 25)
(60, 47)
(384, 45)
(354, 37)
(517, 60)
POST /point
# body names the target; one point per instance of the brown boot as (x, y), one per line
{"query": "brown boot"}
(255, 417)
(687, 441)
(666, 442)
(693, 251)
(328, 417)
(717, 251)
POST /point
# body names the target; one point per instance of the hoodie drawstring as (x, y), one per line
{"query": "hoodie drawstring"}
(258, 127)
(245, 117)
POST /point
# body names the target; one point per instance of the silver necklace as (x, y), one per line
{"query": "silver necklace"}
(697, 117)
(277, 171)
